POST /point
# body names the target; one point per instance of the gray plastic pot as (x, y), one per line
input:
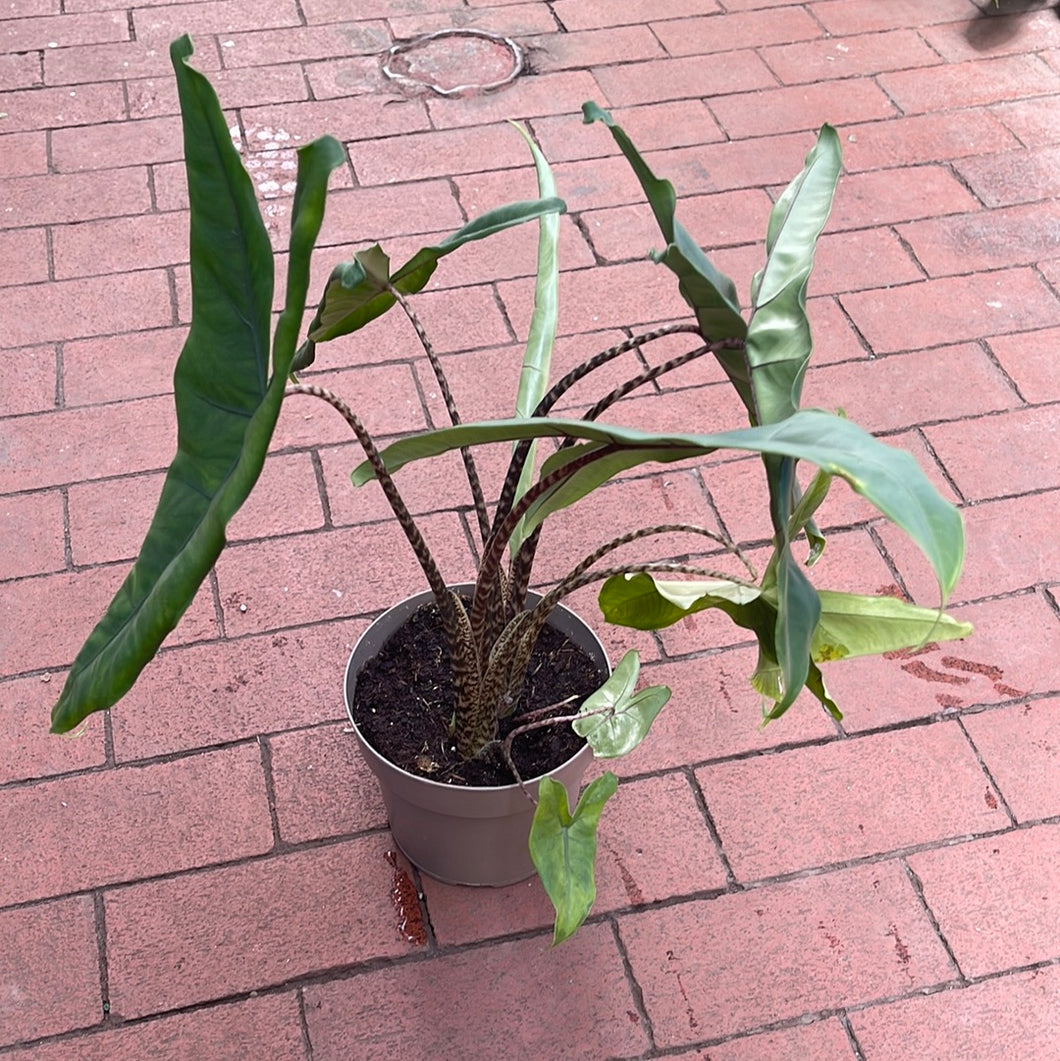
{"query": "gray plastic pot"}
(456, 834)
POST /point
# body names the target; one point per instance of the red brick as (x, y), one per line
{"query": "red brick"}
(752, 958)
(160, 25)
(117, 62)
(27, 381)
(438, 153)
(343, 10)
(1011, 546)
(68, 446)
(886, 196)
(842, 17)
(62, 31)
(559, 93)
(838, 57)
(627, 232)
(591, 14)
(53, 108)
(29, 750)
(116, 367)
(133, 143)
(644, 821)
(1013, 1016)
(1029, 359)
(35, 640)
(362, 215)
(23, 256)
(990, 667)
(689, 76)
(20, 71)
(23, 154)
(1034, 121)
(1019, 745)
(1025, 31)
(269, 46)
(358, 118)
(119, 245)
(256, 1027)
(565, 51)
(848, 799)
(511, 20)
(50, 970)
(323, 787)
(1023, 435)
(342, 78)
(679, 123)
(1016, 177)
(730, 31)
(32, 8)
(203, 936)
(996, 899)
(951, 309)
(35, 521)
(968, 84)
(918, 388)
(522, 979)
(156, 819)
(923, 138)
(865, 258)
(156, 96)
(1017, 235)
(611, 296)
(55, 199)
(80, 308)
(214, 693)
(825, 1040)
(282, 582)
(785, 110)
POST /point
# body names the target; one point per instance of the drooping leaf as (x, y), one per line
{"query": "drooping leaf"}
(643, 602)
(355, 295)
(563, 848)
(227, 406)
(887, 477)
(710, 294)
(626, 715)
(537, 358)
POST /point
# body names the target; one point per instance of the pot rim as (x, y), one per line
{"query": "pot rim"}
(413, 602)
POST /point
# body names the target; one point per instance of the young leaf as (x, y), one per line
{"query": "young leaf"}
(563, 848)
(227, 406)
(622, 718)
(642, 602)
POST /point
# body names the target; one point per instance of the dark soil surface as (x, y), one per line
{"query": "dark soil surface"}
(403, 705)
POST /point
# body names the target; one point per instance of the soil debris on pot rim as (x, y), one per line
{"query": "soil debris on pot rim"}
(403, 705)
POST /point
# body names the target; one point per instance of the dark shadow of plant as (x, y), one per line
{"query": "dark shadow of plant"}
(998, 22)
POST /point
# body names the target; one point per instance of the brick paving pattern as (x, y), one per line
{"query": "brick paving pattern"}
(203, 873)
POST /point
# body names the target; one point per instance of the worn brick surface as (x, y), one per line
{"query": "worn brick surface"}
(155, 819)
(715, 967)
(221, 834)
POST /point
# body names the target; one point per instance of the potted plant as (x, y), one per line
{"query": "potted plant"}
(230, 382)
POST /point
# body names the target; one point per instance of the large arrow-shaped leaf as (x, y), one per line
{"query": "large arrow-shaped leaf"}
(227, 406)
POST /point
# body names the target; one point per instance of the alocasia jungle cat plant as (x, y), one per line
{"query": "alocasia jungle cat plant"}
(228, 398)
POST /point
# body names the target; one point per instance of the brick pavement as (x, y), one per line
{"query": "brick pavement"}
(202, 874)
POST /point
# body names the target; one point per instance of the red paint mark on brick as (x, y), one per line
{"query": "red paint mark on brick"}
(633, 892)
(407, 904)
(834, 942)
(995, 674)
(991, 800)
(910, 653)
(899, 947)
(922, 670)
(634, 1018)
(945, 700)
(892, 589)
(1007, 690)
(692, 1022)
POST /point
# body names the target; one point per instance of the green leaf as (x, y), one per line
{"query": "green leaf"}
(563, 847)
(887, 477)
(779, 343)
(355, 295)
(614, 719)
(227, 406)
(710, 293)
(642, 602)
(853, 625)
(537, 358)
